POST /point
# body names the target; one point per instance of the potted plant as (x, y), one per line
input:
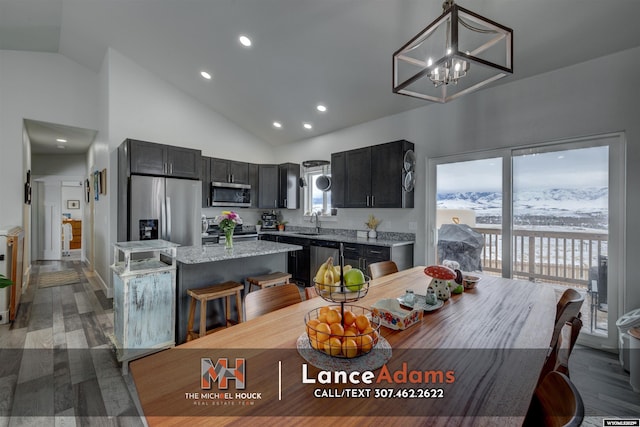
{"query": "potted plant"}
(372, 224)
(258, 226)
(4, 282)
(281, 225)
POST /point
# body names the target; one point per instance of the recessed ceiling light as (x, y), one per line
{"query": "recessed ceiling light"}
(307, 126)
(321, 108)
(245, 41)
(205, 75)
(61, 140)
(277, 125)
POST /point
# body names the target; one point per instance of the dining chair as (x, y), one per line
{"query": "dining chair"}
(382, 268)
(566, 342)
(310, 292)
(265, 300)
(568, 306)
(558, 359)
(556, 402)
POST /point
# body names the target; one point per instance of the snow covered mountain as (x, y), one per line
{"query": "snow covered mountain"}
(536, 207)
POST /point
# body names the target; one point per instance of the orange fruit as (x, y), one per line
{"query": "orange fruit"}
(323, 331)
(366, 343)
(362, 322)
(311, 325)
(337, 329)
(315, 344)
(333, 346)
(323, 309)
(349, 318)
(322, 317)
(369, 331)
(350, 333)
(349, 348)
(353, 328)
(333, 317)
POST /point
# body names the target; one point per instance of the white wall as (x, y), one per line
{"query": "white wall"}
(38, 86)
(570, 102)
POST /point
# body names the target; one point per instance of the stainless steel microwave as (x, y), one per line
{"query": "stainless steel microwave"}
(230, 194)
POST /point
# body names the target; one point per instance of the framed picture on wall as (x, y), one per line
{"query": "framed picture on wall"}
(73, 204)
(103, 181)
(87, 190)
(96, 185)
(27, 188)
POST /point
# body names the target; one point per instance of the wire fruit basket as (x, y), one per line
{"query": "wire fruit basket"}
(338, 293)
(343, 331)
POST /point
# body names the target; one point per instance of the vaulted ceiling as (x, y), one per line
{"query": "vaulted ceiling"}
(305, 52)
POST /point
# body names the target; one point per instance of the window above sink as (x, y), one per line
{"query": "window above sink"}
(315, 199)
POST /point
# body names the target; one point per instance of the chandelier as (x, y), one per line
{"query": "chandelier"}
(456, 54)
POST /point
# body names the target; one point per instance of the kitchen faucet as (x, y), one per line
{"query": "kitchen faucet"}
(315, 215)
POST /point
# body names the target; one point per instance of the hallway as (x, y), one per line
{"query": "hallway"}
(57, 357)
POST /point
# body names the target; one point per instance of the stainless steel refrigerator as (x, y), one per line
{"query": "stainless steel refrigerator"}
(165, 208)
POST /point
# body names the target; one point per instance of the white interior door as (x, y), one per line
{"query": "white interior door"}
(52, 222)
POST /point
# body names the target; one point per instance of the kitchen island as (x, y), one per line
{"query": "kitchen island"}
(203, 266)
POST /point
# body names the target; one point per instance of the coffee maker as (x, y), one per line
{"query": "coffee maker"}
(269, 221)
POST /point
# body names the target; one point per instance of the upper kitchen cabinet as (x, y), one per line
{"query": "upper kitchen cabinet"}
(289, 176)
(254, 181)
(229, 171)
(338, 175)
(148, 158)
(278, 186)
(205, 177)
(268, 186)
(373, 177)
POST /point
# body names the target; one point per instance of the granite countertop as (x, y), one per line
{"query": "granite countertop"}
(212, 253)
(342, 238)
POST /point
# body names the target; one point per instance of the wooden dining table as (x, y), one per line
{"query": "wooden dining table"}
(474, 361)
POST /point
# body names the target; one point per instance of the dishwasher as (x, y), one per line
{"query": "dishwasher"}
(320, 250)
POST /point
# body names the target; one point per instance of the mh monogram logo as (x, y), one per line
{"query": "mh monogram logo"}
(221, 372)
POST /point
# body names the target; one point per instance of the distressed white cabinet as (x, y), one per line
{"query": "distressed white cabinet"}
(144, 294)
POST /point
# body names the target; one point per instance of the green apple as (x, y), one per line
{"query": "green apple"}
(354, 279)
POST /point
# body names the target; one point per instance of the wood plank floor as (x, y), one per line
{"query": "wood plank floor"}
(63, 370)
(62, 334)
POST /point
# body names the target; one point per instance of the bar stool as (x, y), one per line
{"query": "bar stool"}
(226, 289)
(268, 280)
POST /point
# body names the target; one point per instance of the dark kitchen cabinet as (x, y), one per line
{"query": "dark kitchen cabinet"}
(360, 256)
(338, 177)
(299, 262)
(149, 158)
(278, 186)
(205, 177)
(254, 181)
(183, 162)
(269, 237)
(268, 186)
(289, 191)
(358, 178)
(371, 177)
(229, 171)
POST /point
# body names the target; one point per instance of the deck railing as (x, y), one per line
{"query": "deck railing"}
(552, 256)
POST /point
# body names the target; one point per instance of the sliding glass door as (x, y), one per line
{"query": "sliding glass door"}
(551, 213)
